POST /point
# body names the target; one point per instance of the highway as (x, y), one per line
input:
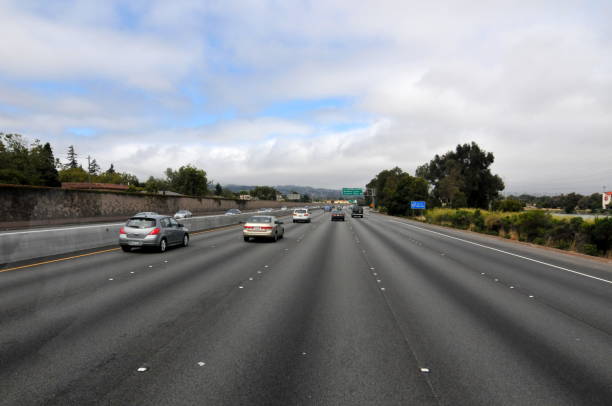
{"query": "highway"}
(372, 311)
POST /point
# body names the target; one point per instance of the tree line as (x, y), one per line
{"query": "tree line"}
(568, 202)
(35, 164)
(461, 178)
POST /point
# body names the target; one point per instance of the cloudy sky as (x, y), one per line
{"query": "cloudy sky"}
(323, 93)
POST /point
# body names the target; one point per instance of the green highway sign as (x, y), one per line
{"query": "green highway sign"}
(348, 191)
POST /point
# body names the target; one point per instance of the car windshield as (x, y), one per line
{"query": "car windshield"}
(141, 223)
(259, 219)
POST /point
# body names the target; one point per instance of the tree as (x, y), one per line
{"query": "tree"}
(591, 202)
(111, 170)
(46, 167)
(155, 185)
(20, 164)
(218, 189)
(14, 160)
(128, 179)
(77, 174)
(395, 189)
(94, 168)
(72, 161)
(570, 201)
(188, 180)
(464, 170)
(229, 194)
(264, 192)
(451, 186)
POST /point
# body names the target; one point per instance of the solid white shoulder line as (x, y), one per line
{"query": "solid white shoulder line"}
(504, 252)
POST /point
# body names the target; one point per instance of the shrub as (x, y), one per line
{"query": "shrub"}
(601, 233)
(461, 219)
(532, 224)
(493, 222)
(589, 249)
(508, 205)
(589, 237)
(478, 220)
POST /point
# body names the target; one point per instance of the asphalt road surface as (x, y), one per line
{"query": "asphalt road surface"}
(372, 311)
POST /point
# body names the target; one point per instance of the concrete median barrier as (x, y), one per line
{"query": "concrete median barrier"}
(29, 244)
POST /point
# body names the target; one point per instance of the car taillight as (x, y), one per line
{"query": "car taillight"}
(266, 228)
(155, 231)
(122, 231)
(248, 227)
(306, 214)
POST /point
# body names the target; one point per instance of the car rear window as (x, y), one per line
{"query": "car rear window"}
(259, 220)
(300, 211)
(141, 223)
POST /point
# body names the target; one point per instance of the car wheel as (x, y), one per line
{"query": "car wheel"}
(246, 239)
(163, 245)
(294, 221)
(126, 248)
(185, 240)
(275, 238)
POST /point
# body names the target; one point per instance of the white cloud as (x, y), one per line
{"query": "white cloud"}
(531, 84)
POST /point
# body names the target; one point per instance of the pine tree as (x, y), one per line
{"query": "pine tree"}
(218, 189)
(94, 168)
(111, 170)
(47, 170)
(72, 161)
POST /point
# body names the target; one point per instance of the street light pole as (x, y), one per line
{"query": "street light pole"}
(89, 169)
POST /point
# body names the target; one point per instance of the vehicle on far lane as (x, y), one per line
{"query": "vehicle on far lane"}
(145, 214)
(268, 227)
(356, 211)
(337, 215)
(301, 215)
(183, 214)
(232, 212)
(154, 231)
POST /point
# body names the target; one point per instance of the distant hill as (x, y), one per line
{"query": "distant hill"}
(315, 193)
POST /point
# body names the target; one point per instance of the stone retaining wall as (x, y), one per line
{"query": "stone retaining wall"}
(27, 206)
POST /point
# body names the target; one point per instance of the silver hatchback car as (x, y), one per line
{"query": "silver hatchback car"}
(154, 231)
(263, 227)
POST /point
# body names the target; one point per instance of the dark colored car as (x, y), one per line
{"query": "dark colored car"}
(357, 211)
(337, 215)
(154, 231)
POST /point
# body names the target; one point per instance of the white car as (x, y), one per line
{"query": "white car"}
(183, 214)
(301, 215)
